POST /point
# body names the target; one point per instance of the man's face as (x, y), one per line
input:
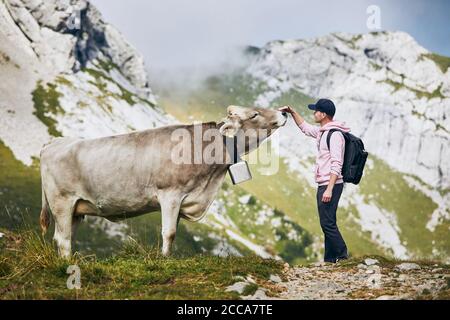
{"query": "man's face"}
(319, 116)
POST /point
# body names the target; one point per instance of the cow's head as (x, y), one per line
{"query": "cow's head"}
(256, 124)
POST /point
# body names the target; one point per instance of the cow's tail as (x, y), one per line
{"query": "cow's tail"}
(44, 219)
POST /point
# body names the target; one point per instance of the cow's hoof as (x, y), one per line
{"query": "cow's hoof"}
(166, 253)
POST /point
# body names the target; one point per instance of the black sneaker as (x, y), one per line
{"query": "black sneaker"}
(340, 259)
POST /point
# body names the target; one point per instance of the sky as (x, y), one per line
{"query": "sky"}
(174, 34)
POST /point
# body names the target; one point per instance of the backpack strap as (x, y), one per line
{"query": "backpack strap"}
(330, 132)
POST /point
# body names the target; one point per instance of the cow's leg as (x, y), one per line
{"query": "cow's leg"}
(62, 213)
(170, 209)
(76, 220)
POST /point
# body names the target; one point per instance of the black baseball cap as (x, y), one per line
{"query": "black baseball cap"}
(324, 105)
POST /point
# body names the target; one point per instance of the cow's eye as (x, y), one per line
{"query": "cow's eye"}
(254, 116)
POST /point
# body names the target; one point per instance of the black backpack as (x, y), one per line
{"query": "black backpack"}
(355, 156)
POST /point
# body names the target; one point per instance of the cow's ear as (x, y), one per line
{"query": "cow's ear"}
(229, 128)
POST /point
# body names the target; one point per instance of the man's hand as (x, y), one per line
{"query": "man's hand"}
(297, 118)
(287, 109)
(326, 197)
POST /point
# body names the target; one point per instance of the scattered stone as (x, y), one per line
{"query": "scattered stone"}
(388, 297)
(238, 287)
(402, 277)
(392, 274)
(319, 264)
(329, 283)
(239, 278)
(373, 269)
(371, 262)
(260, 294)
(250, 279)
(437, 270)
(425, 291)
(374, 281)
(407, 266)
(275, 278)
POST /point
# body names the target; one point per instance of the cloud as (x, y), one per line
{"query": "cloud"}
(174, 34)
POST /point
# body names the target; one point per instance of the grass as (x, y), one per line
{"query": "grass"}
(298, 101)
(438, 126)
(107, 65)
(442, 62)
(46, 102)
(101, 76)
(352, 42)
(250, 289)
(20, 198)
(419, 94)
(100, 82)
(375, 66)
(31, 269)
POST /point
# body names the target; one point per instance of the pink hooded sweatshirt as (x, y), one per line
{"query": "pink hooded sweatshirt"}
(327, 161)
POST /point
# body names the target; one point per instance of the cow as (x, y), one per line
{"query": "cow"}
(127, 175)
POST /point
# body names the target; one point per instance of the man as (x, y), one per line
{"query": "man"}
(327, 172)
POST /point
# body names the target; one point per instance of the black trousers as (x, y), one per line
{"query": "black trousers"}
(335, 247)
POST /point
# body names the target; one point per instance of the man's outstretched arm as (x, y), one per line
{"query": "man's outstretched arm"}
(306, 128)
